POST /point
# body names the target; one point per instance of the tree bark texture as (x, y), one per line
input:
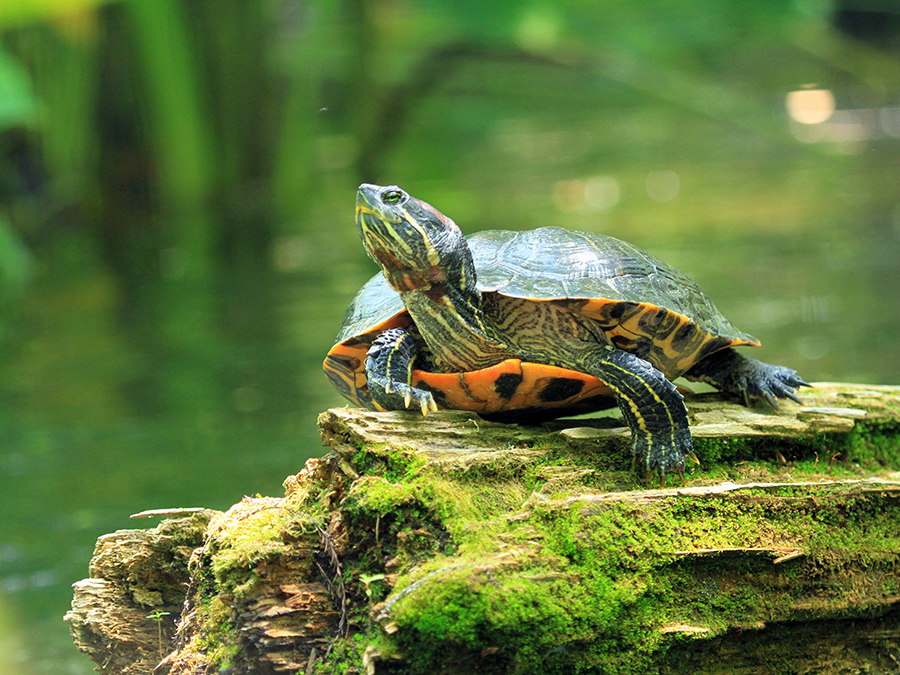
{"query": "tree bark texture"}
(449, 544)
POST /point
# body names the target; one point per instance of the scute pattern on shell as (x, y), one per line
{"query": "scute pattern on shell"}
(644, 305)
(551, 263)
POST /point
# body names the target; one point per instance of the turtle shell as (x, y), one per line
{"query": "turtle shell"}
(644, 305)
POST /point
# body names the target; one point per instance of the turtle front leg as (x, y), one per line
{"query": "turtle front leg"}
(653, 408)
(734, 373)
(389, 369)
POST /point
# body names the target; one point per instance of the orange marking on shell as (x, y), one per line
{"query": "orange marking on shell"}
(476, 390)
(664, 355)
(345, 363)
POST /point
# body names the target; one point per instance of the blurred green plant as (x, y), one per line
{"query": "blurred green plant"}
(16, 263)
(17, 104)
(17, 12)
(184, 129)
(17, 108)
(179, 125)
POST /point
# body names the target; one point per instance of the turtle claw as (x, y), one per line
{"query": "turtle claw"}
(421, 397)
(748, 378)
(393, 395)
(661, 455)
(796, 399)
(424, 398)
(771, 383)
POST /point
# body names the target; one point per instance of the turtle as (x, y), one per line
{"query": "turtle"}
(536, 324)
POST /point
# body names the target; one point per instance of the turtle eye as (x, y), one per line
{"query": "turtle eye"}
(392, 197)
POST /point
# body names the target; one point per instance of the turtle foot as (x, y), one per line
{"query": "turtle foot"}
(662, 454)
(769, 383)
(389, 366)
(393, 395)
(748, 378)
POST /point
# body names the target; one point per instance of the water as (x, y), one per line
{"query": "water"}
(113, 404)
(128, 383)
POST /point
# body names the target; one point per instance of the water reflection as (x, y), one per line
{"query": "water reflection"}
(155, 363)
(185, 393)
(114, 402)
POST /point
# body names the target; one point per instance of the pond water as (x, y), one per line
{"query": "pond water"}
(197, 395)
(128, 382)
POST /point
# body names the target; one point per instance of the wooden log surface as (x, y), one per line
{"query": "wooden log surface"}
(828, 408)
(452, 544)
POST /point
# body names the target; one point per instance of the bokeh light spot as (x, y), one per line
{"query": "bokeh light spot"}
(601, 193)
(663, 186)
(810, 106)
(539, 29)
(597, 193)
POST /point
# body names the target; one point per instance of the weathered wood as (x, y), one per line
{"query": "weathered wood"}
(449, 434)
(451, 544)
(136, 575)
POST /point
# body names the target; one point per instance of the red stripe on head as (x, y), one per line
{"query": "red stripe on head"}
(440, 216)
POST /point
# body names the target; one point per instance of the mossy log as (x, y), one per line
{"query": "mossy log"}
(449, 544)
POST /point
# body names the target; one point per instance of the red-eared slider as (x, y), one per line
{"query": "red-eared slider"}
(540, 323)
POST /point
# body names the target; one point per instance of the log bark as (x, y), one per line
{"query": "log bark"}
(449, 544)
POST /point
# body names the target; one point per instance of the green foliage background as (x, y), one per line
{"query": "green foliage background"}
(176, 200)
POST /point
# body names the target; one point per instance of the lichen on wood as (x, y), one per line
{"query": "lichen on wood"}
(449, 544)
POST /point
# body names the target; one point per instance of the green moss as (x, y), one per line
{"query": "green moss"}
(216, 636)
(714, 450)
(533, 607)
(380, 495)
(347, 655)
(468, 506)
(391, 462)
(869, 446)
(873, 444)
(251, 532)
(502, 565)
(609, 577)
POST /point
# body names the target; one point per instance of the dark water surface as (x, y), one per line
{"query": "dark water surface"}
(180, 395)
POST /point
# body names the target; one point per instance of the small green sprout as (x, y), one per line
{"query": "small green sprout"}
(158, 617)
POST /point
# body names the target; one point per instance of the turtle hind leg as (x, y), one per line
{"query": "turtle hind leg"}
(734, 373)
(389, 373)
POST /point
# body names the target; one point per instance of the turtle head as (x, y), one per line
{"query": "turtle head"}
(417, 246)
